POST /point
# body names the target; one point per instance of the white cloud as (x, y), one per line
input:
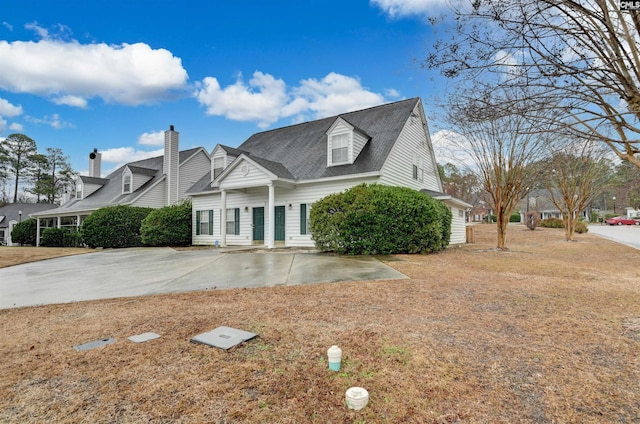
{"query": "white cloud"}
(14, 126)
(267, 99)
(335, 94)
(7, 109)
(71, 101)
(261, 100)
(402, 8)
(449, 146)
(71, 72)
(152, 139)
(121, 155)
(53, 121)
(7, 25)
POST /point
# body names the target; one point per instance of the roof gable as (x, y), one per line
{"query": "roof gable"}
(302, 149)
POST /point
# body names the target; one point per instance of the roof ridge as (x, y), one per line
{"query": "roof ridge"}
(336, 116)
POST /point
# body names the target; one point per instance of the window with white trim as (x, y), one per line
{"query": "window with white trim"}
(204, 222)
(305, 209)
(218, 166)
(126, 183)
(233, 221)
(340, 148)
(78, 190)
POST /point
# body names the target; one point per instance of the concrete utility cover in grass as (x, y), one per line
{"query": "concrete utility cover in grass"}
(144, 337)
(223, 337)
(94, 344)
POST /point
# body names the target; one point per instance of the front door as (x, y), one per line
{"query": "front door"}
(258, 224)
(279, 221)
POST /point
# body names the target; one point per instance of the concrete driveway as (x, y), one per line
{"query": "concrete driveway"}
(144, 271)
(624, 234)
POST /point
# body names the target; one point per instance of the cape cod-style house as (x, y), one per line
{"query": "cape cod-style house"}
(153, 182)
(261, 192)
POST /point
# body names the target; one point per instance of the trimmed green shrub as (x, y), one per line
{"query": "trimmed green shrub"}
(25, 232)
(515, 217)
(581, 228)
(168, 226)
(60, 237)
(377, 219)
(114, 226)
(552, 223)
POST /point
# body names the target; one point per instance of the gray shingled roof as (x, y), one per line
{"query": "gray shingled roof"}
(301, 149)
(10, 211)
(111, 193)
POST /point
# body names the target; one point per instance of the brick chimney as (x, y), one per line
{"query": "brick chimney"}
(95, 162)
(170, 164)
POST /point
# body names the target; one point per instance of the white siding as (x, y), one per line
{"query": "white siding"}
(359, 141)
(412, 143)
(156, 197)
(238, 178)
(138, 180)
(88, 189)
(458, 225)
(192, 170)
(258, 197)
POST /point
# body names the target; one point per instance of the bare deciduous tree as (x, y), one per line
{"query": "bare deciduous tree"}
(580, 58)
(501, 146)
(574, 175)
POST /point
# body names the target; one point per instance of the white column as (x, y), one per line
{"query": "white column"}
(271, 229)
(58, 222)
(223, 218)
(37, 231)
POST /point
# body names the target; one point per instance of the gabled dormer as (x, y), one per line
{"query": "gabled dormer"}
(86, 185)
(344, 142)
(221, 157)
(134, 177)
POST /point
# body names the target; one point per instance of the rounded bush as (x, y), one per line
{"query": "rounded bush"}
(515, 217)
(114, 226)
(377, 219)
(168, 226)
(60, 237)
(25, 232)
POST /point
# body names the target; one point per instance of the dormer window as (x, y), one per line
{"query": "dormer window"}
(344, 142)
(340, 148)
(126, 183)
(218, 166)
(78, 190)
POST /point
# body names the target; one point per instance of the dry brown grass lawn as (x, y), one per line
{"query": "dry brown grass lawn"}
(15, 255)
(548, 332)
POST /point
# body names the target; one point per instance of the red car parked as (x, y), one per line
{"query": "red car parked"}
(622, 220)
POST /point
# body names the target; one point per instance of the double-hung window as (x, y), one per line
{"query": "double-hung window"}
(339, 148)
(218, 166)
(126, 184)
(304, 218)
(233, 221)
(204, 222)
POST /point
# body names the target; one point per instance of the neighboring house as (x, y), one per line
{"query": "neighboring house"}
(539, 200)
(262, 191)
(14, 213)
(154, 182)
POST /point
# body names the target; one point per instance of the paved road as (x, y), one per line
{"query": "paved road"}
(144, 271)
(624, 234)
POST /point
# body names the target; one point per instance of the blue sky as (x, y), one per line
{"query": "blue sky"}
(114, 74)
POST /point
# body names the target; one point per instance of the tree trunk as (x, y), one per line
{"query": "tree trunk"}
(503, 222)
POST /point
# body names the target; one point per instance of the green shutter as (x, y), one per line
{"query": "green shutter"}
(303, 218)
(197, 223)
(211, 222)
(236, 219)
